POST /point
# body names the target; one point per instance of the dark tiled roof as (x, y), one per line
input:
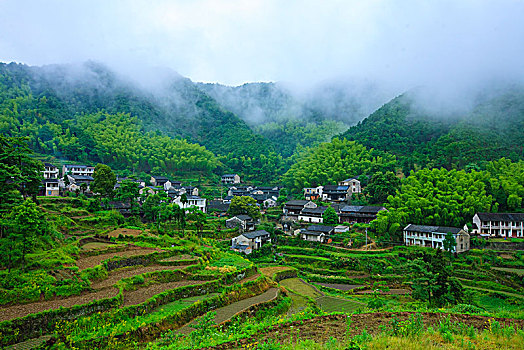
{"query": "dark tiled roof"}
(320, 228)
(430, 229)
(228, 175)
(363, 209)
(82, 177)
(243, 217)
(297, 202)
(311, 233)
(335, 188)
(317, 210)
(255, 234)
(50, 181)
(506, 217)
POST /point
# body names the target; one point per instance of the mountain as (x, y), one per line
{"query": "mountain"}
(491, 130)
(294, 117)
(58, 96)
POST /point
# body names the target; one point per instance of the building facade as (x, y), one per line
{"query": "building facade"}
(499, 224)
(434, 236)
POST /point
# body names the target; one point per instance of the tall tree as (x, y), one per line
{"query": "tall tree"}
(104, 182)
(381, 186)
(20, 175)
(330, 216)
(244, 205)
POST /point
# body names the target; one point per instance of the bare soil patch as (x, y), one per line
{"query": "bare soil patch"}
(125, 231)
(392, 291)
(117, 275)
(142, 294)
(15, 311)
(91, 261)
(322, 328)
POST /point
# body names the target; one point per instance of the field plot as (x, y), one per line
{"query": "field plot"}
(179, 257)
(92, 261)
(227, 312)
(96, 246)
(181, 304)
(142, 294)
(392, 291)
(332, 304)
(125, 231)
(297, 285)
(519, 272)
(339, 286)
(15, 311)
(269, 271)
(117, 275)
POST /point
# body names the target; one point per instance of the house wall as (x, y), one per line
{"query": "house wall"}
(310, 219)
(436, 240)
(500, 228)
(313, 238)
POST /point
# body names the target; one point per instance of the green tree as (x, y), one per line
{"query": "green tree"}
(381, 186)
(198, 217)
(244, 205)
(330, 216)
(129, 192)
(449, 243)
(104, 181)
(20, 175)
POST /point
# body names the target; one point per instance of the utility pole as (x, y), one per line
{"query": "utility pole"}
(366, 238)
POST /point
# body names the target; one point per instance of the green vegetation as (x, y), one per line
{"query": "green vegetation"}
(335, 161)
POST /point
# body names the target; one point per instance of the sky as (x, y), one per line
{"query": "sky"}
(407, 43)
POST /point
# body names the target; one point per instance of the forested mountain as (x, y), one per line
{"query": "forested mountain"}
(493, 129)
(46, 104)
(294, 117)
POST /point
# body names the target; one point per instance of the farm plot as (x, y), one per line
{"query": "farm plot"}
(126, 231)
(179, 257)
(225, 313)
(140, 295)
(298, 286)
(269, 271)
(92, 261)
(392, 291)
(519, 272)
(339, 286)
(16, 311)
(117, 275)
(97, 246)
(332, 304)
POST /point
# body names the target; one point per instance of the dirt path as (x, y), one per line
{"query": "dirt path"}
(227, 312)
(117, 275)
(142, 294)
(15, 311)
(322, 328)
(92, 261)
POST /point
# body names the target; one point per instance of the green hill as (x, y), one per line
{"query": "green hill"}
(493, 129)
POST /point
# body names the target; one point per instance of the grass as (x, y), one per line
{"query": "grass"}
(519, 272)
(296, 285)
(307, 257)
(333, 304)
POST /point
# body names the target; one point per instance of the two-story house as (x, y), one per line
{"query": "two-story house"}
(81, 170)
(230, 179)
(434, 236)
(353, 183)
(249, 241)
(50, 171)
(160, 181)
(312, 214)
(317, 233)
(192, 201)
(499, 224)
(51, 187)
(293, 208)
(335, 193)
(313, 193)
(243, 222)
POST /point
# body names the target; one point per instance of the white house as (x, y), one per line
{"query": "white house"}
(50, 171)
(51, 187)
(317, 233)
(249, 241)
(353, 183)
(499, 224)
(312, 214)
(192, 201)
(82, 170)
(434, 236)
(244, 222)
(230, 179)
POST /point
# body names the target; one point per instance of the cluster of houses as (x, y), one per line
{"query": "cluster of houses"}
(334, 193)
(79, 178)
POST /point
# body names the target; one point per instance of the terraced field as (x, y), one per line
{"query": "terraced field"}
(92, 261)
(142, 294)
(332, 304)
(339, 286)
(15, 311)
(119, 274)
(225, 313)
(299, 286)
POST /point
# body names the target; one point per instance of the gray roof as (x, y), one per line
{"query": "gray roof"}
(320, 228)
(243, 217)
(255, 234)
(369, 209)
(317, 210)
(506, 217)
(297, 202)
(430, 229)
(82, 177)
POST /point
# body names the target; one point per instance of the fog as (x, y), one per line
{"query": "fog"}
(452, 48)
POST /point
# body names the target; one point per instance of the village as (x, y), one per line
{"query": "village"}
(308, 218)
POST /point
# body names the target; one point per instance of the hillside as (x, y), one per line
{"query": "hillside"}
(493, 129)
(46, 104)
